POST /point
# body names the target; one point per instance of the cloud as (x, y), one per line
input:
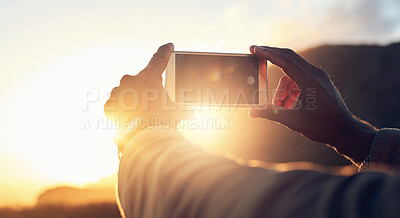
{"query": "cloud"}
(365, 20)
(343, 21)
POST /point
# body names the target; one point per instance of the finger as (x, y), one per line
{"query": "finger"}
(252, 49)
(303, 62)
(292, 96)
(160, 59)
(274, 113)
(129, 81)
(287, 103)
(285, 61)
(294, 92)
(282, 91)
(292, 86)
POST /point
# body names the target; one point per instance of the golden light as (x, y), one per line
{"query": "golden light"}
(215, 76)
(206, 126)
(44, 124)
(55, 126)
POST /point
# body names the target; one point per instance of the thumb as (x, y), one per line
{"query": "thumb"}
(272, 112)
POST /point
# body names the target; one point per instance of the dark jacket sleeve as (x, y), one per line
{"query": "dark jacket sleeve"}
(162, 174)
(386, 148)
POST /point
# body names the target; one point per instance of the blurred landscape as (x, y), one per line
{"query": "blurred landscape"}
(367, 76)
(93, 200)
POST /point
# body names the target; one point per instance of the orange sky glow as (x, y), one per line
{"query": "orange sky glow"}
(59, 61)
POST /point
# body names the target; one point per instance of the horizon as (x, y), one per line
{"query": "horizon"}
(60, 60)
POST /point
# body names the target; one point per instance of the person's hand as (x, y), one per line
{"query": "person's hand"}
(143, 96)
(320, 114)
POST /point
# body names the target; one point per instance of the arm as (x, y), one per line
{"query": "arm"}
(327, 120)
(162, 174)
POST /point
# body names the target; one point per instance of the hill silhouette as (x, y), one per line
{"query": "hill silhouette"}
(70, 196)
(102, 191)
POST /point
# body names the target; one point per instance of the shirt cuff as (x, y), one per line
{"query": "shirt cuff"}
(386, 147)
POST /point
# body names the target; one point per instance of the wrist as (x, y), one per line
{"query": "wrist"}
(356, 140)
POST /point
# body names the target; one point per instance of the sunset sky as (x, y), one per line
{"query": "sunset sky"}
(60, 59)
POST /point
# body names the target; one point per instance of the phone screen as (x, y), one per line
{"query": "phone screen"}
(216, 79)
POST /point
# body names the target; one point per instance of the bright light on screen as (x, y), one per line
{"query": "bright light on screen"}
(216, 79)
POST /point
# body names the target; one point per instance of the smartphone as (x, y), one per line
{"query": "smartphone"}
(216, 79)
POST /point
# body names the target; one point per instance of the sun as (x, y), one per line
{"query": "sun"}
(206, 126)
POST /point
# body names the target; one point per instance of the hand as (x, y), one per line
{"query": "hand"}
(320, 114)
(143, 96)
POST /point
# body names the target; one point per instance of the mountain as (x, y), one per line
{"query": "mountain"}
(102, 191)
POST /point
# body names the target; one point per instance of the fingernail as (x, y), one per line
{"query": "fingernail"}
(252, 47)
(169, 45)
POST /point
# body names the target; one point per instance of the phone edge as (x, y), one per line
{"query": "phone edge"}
(170, 79)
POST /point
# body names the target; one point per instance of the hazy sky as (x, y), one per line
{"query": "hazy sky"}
(55, 55)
